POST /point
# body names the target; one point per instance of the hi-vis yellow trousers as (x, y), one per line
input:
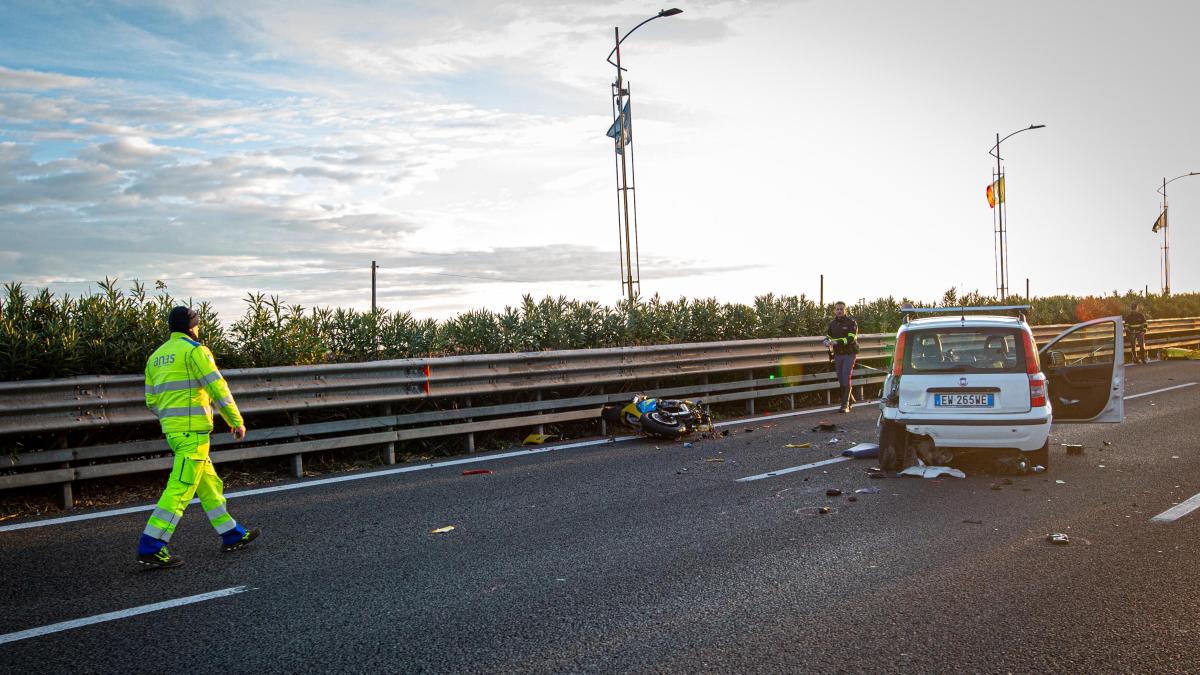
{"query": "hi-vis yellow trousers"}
(192, 474)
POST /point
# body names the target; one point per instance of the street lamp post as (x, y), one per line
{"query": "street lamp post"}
(626, 176)
(1000, 222)
(1161, 224)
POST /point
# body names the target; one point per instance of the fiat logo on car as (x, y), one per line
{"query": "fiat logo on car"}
(962, 381)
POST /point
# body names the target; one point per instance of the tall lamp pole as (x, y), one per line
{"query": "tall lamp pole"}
(1001, 222)
(626, 177)
(1161, 224)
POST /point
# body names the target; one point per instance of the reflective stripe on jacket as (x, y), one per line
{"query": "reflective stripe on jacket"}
(843, 335)
(183, 386)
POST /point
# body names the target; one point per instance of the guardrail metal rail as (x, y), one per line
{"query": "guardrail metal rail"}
(50, 412)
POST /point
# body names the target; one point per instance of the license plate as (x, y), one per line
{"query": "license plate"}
(964, 400)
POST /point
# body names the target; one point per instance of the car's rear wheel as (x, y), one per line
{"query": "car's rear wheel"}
(1040, 456)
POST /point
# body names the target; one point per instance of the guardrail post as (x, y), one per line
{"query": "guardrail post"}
(750, 401)
(603, 422)
(792, 401)
(541, 428)
(67, 496)
(389, 450)
(297, 459)
(471, 436)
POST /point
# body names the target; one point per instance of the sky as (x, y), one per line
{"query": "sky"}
(235, 147)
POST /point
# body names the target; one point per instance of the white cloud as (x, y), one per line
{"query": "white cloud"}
(38, 81)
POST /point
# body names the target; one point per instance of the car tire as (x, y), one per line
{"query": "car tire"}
(657, 423)
(889, 438)
(1040, 456)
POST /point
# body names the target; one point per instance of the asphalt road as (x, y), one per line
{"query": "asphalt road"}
(639, 556)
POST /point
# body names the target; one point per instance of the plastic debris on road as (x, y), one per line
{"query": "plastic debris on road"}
(833, 441)
(1073, 448)
(833, 492)
(476, 472)
(1058, 539)
(1060, 482)
(537, 439)
(862, 451)
(932, 472)
(798, 445)
(688, 445)
(868, 490)
(444, 530)
(823, 510)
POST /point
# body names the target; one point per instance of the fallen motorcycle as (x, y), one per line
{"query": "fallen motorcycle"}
(663, 418)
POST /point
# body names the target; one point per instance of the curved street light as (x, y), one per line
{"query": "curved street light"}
(1161, 224)
(1001, 230)
(620, 132)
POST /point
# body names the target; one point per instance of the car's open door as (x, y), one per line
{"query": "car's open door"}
(1085, 369)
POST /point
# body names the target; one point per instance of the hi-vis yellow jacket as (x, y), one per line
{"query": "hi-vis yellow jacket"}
(182, 386)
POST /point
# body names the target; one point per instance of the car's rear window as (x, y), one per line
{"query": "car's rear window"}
(964, 350)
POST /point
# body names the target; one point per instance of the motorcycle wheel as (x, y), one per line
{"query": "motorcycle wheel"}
(657, 423)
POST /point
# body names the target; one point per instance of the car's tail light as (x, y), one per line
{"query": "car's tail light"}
(1037, 390)
(1031, 356)
(898, 356)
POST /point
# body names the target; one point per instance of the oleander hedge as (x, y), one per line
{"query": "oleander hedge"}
(111, 331)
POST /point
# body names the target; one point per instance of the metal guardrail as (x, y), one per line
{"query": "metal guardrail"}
(53, 408)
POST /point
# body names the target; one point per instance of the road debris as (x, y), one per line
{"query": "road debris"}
(443, 530)
(862, 451)
(476, 472)
(1060, 482)
(828, 427)
(688, 445)
(798, 445)
(868, 490)
(715, 459)
(833, 492)
(1107, 443)
(748, 430)
(823, 510)
(724, 433)
(1073, 448)
(1058, 539)
(851, 498)
(537, 439)
(833, 441)
(973, 522)
(932, 472)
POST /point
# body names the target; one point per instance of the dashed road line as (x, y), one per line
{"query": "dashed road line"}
(1159, 391)
(120, 614)
(1178, 511)
(802, 467)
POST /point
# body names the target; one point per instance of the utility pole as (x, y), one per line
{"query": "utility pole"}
(822, 292)
(373, 268)
(1166, 247)
(1026, 289)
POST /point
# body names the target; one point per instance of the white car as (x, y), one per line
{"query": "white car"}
(963, 382)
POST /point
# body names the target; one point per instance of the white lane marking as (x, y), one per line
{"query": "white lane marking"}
(802, 467)
(121, 614)
(1159, 391)
(1178, 511)
(390, 472)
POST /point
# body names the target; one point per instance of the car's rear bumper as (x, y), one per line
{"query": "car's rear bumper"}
(1027, 432)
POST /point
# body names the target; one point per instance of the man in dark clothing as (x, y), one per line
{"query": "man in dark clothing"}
(1135, 326)
(842, 337)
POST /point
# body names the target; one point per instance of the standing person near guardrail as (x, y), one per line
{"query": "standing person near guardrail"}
(842, 336)
(182, 386)
(1136, 326)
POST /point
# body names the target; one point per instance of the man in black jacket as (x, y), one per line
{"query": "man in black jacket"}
(842, 337)
(1135, 326)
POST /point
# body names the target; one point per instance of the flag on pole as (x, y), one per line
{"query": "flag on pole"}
(1000, 190)
(1161, 222)
(991, 196)
(621, 130)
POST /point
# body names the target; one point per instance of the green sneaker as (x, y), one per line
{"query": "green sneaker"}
(162, 558)
(250, 536)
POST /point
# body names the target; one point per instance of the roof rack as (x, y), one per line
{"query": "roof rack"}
(908, 310)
